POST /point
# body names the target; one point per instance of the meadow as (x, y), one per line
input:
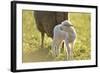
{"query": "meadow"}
(31, 50)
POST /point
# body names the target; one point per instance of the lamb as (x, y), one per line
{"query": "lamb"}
(64, 32)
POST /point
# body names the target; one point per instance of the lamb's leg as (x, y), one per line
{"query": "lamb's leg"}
(42, 41)
(68, 50)
(57, 47)
(53, 47)
(72, 47)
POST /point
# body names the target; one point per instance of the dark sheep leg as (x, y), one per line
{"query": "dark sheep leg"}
(42, 40)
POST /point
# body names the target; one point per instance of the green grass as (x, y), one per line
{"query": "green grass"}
(81, 22)
(32, 52)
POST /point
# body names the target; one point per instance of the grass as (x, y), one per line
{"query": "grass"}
(32, 52)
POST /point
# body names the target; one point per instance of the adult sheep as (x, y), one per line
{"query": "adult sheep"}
(47, 20)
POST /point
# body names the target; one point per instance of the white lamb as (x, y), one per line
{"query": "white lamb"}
(64, 32)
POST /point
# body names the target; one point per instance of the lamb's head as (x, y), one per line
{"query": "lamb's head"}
(66, 23)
